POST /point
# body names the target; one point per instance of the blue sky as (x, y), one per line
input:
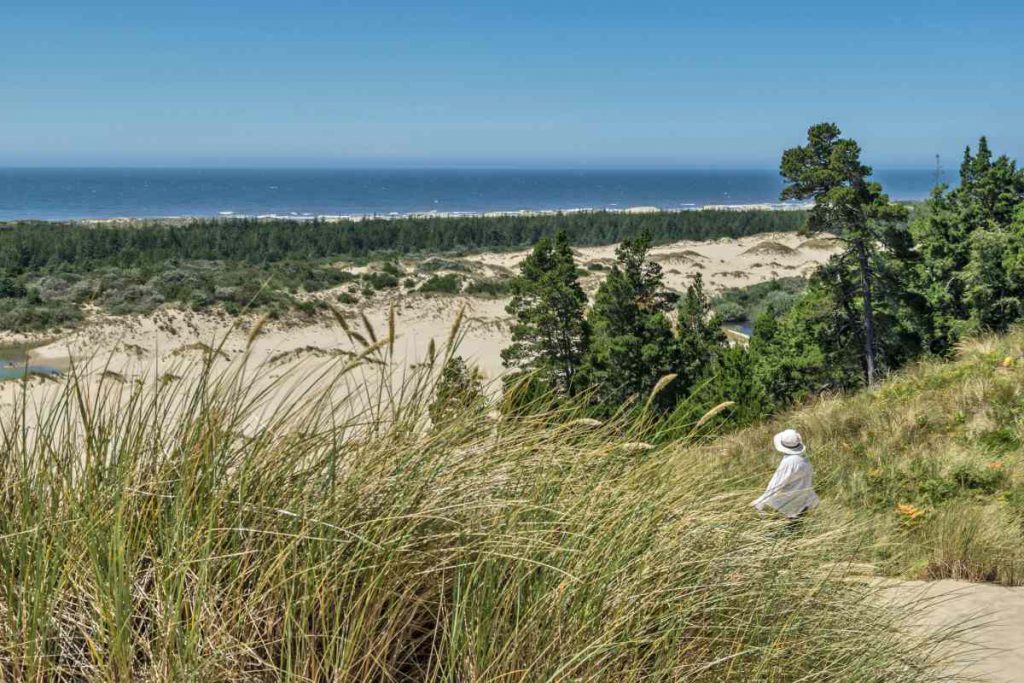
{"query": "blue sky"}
(524, 83)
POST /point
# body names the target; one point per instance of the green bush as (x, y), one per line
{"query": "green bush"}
(377, 280)
(747, 303)
(437, 263)
(982, 479)
(18, 315)
(449, 283)
(489, 287)
(392, 268)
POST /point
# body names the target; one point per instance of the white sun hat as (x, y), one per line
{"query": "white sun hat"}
(789, 442)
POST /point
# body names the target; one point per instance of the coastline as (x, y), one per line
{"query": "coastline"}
(421, 215)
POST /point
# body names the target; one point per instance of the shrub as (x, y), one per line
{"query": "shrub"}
(377, 280)
(435, 263)
(18, 315)
(747, 303)
(449, 283)
(489, 287)
(974, 477)
(392, 268)
(11, 288)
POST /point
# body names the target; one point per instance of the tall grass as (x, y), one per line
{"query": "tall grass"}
(222, 528)
(929, 466)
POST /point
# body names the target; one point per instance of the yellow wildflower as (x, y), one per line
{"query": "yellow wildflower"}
(909, 511)
(1008, 362)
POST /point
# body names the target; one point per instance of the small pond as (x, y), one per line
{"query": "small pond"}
(14, 363)
(744, 327)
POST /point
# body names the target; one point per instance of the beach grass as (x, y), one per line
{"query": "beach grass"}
(929, 465)
(202, 528)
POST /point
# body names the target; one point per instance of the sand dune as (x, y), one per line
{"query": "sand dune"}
(130, 340)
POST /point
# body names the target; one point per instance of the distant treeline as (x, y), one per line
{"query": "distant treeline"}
(29, 246)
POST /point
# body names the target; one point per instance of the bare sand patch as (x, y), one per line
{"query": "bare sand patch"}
(990, 619)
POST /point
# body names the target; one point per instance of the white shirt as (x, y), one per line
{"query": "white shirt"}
(791, 490)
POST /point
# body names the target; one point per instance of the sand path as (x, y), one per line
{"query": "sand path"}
(993, 617)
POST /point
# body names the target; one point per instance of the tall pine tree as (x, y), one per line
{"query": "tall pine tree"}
(701, 338)
(968, 246)
(828, 169)
(632, 345)
(549, 334)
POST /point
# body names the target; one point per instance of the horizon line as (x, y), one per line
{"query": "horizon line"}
(402, 167)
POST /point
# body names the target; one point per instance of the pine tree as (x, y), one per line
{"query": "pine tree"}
(632, 345)
(966, 243)
(733, 377)
(828, 169)
(550, 334)
(459, 388)
(701, 338)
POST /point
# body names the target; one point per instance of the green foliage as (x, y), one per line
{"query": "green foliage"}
(494, 287)
(449, 283)
(33, 246)
(828, 169)
(230, 263)
(633, 345)
(741, 304)
(458, 393)
(21, 315)
(549, 333)
(969, 241)
(436, 263)
(12, 289)
(347, 298)
(378, 280)
(392, 268)
(700, 336)
(732, 375)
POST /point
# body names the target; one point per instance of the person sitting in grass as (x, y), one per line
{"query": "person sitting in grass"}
(791, 489)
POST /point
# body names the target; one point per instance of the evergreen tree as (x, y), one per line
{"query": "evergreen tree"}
(550, 334)
(828, 169)
(459, 388)
(993, 292)
(967, 243)
(701, 338)
(633, 345)
(733, 377)
(807, 350)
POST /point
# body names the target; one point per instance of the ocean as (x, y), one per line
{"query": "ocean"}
(57, 194)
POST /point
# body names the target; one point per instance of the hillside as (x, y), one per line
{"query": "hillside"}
(192, 527)
(929, 466)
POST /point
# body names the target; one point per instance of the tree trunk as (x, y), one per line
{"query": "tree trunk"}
(869, 314)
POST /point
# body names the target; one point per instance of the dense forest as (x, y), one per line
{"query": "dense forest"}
(903, 287)
(49, 270)
(32, 246)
